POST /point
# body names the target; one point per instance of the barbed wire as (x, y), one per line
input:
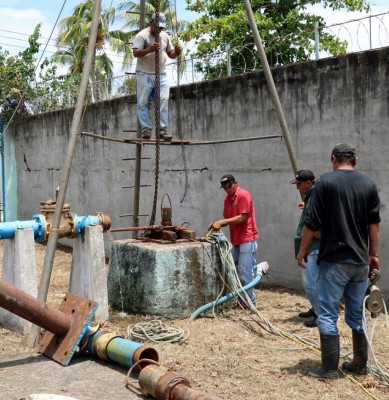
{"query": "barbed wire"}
(371, 32)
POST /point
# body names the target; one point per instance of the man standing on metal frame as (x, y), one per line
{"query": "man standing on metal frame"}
(144, 47)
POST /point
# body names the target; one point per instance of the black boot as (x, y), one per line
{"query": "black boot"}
(311, 324)
(359, 363)
(330, 352)
(307, 314)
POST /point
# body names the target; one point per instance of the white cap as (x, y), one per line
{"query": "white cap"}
(162, 20)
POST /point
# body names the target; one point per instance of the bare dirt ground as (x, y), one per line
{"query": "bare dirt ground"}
(231, 356)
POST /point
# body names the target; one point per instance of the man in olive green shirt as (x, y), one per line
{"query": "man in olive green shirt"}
(305, 181)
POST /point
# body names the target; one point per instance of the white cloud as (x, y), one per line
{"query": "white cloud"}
(18, 24)
(22, 14)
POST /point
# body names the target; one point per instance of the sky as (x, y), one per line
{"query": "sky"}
(19, 17)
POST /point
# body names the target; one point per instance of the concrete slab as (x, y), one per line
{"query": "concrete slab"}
(163, 279)
(88, 277)
(19, 270)
(86, 378)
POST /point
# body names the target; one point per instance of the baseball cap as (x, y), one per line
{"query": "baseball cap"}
(344, 149)
(302, 176)
(226, 181)
(162, 20)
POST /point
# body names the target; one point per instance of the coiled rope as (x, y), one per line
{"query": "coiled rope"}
(156, 331)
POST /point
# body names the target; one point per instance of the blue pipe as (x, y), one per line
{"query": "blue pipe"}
(7, 229)
(83, 222)
(117, 349)
(38, 225)
(261, 269)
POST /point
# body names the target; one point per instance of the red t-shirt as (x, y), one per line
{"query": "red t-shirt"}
(241, 203)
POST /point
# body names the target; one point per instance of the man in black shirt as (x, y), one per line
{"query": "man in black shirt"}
(345, 207)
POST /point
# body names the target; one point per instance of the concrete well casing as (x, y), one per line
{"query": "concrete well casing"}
(162, 279)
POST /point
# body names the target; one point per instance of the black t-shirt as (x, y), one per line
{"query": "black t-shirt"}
(343, 204)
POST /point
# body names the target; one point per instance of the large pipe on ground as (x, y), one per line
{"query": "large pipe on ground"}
(68, 328)
(158, 382)
(109, 346)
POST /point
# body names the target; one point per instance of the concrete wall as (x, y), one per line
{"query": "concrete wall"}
(325, 102)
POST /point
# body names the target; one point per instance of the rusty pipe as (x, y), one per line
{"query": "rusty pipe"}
(30, 308)
(183, 392)
(157, 381)
(143, 228)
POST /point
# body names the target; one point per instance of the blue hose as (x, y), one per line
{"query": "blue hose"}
(261, 269)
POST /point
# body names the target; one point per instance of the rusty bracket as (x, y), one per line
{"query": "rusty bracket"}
(62, 348)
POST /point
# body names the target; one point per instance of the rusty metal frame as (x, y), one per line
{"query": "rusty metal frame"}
(62, 348)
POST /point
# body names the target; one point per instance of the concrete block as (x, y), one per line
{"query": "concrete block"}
(162, 279)
(88, 277)
(19, 269)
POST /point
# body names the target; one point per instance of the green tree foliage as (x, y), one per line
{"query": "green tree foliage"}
(15, 74)
(73, 42)
(129, 14)
(285, 26)
(33, 90)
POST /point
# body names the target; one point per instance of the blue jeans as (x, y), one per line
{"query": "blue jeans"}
(334, 282)
(243, 256)
(309, 276)
(145, 84)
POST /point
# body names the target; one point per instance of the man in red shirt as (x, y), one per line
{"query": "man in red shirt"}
(239, 214)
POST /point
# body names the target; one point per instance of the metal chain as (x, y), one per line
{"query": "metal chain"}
(157, 119)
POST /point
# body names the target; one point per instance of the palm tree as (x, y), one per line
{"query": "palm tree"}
(130, 13)
(73, 42)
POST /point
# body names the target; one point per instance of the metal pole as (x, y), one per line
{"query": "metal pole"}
(4, 216)
(317, 39)
(272, 88)
(75, 127)
(138, 150)
(370, 32)
(228, 60)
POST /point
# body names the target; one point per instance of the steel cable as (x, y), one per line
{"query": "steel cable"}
(224, 249)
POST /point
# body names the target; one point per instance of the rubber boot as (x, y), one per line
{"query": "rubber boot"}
(330, 353)
(359, 363)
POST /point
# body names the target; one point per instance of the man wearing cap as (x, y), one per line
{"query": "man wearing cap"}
(144, 47)
(345, 207)
(305, 181)
(239, 215)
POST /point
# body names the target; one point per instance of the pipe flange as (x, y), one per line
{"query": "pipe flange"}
(167, 383)
(43, 227)
(105, 221)
(172, 384)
